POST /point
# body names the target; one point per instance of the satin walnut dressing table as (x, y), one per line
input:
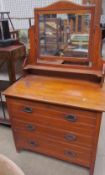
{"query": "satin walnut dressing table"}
(56, 108)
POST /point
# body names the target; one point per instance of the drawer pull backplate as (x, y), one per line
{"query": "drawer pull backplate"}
(32, 143)
(30, 127)
(70, 154)
(70, 137)
(27, 110)
(71, 118)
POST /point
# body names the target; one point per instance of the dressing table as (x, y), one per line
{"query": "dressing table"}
(56, 108)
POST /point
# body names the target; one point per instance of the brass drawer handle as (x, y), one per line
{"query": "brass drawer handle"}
(71, 118)
(30, 127)
(70, 137)
(70, 154)
(33, 143)
(27, 110)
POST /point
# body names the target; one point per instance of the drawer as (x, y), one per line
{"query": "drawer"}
(73, 136)
(51, 115)
(73, 154)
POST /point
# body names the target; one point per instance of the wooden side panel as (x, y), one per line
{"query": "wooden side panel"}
(32, 41)
(95, 142)
(98, 12)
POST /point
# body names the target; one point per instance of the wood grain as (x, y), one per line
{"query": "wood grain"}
(48, 146)
(72, 136)
(59, 91)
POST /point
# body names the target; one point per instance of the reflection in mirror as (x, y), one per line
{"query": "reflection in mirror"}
(103, 48)
(65, 35)
(103, 35)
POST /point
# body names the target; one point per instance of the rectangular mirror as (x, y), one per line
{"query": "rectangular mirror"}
(64, 35)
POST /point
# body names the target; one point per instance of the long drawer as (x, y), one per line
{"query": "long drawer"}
(37, 143)
(73, 136)
(51, 115)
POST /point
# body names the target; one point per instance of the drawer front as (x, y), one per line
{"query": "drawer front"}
(72, 154)
(51, 115)
(72, 136)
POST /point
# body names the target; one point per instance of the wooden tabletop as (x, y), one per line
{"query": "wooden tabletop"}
(12, 52)
(68, 92)
(10, 48)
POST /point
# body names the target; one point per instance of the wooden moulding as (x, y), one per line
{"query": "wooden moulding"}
(86, 75)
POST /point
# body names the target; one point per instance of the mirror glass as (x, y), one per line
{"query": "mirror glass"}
(64, 35)
(103, 44)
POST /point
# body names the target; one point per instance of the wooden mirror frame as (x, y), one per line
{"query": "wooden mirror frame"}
(60, 8)
(97, 69)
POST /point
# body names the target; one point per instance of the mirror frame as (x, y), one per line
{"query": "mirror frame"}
(61, 7)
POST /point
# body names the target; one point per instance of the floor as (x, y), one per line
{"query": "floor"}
(35, 164)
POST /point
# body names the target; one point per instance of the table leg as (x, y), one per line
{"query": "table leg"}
(11, 71)
(92, 170)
